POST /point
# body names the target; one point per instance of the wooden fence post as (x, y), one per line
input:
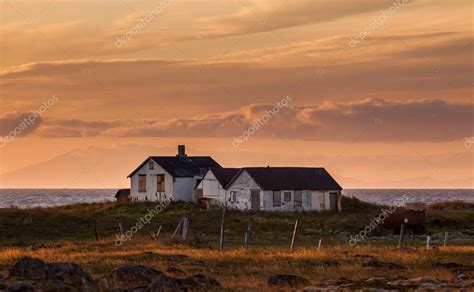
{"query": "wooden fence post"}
(445, 244)
(294, 236)
(94, 229)
(402, 233)
(122, 229)
(221, 242)
(178, 228)
(428, 242)
(248, 235)
(152, 236)
(158, 232)
(185, 229)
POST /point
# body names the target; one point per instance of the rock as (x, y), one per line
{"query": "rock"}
(373, 263)
(337, 282)
(21, 286)
(70, 274)
(37, 246)
(175, 271)
(460, 276)
(66, 273)
(165, 284)
(453, 266)
(376, 282)
(292, 281)
(130, 276)
(29, 268)
(196, 282)
(199, 281)
(424, 281)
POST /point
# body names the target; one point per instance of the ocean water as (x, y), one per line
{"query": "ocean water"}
(32, 198)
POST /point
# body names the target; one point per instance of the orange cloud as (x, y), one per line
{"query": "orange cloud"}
(370, 120)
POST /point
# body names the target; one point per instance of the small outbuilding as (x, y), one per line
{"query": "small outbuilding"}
(123, 196)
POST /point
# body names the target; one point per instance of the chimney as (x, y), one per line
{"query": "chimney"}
(181, 151)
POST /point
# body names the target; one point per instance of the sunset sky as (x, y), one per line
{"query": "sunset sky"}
(135, 78)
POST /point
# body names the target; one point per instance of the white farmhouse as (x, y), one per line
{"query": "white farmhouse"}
(159, 177)
(274, 189)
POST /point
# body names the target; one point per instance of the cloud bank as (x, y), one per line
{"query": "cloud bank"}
(368, 120)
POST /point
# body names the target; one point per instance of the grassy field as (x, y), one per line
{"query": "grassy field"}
(68, 232)
(20, 227)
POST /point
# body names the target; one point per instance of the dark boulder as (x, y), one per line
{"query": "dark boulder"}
(29, 268)
(130, 276)
(374, 263)
(69, 274)
(55, 273)
(199, 281)
(292, 281)
(175, 271)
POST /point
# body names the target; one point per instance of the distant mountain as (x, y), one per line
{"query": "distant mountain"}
(97, 167)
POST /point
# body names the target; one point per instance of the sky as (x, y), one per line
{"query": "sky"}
(378, 92)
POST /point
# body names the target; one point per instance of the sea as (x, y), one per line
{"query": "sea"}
(44, 198)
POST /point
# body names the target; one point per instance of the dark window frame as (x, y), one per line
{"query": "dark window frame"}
(160, 183)
(277, 203)
(285, 198)
(142, 183)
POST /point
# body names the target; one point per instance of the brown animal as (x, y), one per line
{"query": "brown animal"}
(412, 219)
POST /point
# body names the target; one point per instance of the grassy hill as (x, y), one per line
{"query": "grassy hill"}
(21, 227)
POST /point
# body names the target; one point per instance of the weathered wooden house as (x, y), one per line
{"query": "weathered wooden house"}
(159, 177)
(273, 189)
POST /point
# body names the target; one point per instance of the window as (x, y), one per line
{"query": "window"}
(160, 180)
(142, 183)
(276, 198)
(151, 165)
(298, 198)
(233, 196)
(287, 196)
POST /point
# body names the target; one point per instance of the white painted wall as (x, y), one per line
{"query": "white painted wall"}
(183, 189)
(151, 183)
(212, 189)
(243, 184)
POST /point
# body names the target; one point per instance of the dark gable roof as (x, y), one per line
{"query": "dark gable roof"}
(224, 175)
(292, 178)
(178, 166)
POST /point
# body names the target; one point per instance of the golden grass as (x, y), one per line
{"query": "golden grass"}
(241, 269)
